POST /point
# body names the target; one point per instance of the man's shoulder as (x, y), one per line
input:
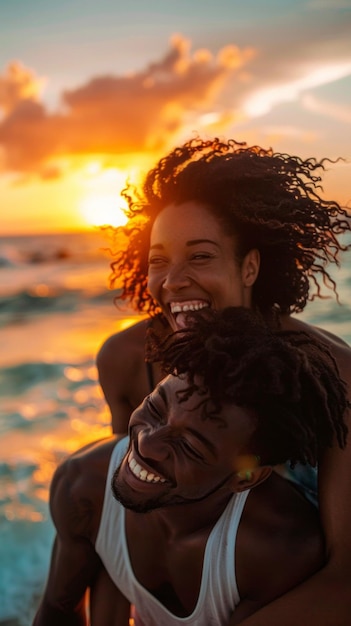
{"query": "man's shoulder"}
(78, 488)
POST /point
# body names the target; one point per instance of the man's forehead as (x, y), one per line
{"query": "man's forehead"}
(169, 386)
(177, 388)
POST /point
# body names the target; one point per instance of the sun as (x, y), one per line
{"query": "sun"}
(102, 210)
(102, 203)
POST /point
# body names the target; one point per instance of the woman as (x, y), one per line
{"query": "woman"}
(221, 224)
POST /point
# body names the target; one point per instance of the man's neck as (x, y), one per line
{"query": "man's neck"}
(181, 520)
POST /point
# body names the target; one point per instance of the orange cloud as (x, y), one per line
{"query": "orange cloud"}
(111, 114)
(18, 83)
(181, 92)
(332, 110)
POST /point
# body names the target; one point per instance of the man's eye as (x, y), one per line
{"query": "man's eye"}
(190, 450)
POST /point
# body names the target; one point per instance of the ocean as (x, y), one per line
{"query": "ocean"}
(56, 309)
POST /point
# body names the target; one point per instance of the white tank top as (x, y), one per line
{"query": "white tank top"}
(218, 595)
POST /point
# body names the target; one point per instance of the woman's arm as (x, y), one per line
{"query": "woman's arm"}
(325, 598)
(322, 600)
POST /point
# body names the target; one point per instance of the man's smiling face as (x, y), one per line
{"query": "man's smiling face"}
(180, 452)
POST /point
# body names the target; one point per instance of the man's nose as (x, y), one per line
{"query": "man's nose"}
(176, 278)
(153, 444)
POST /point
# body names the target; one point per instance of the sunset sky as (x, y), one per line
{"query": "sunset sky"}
(92, 92)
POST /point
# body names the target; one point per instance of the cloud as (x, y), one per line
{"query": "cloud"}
(181, 92)
(112, 114)
(276, 132)
(17, 84)
(262, 101)
(332, 110)
(293, 55)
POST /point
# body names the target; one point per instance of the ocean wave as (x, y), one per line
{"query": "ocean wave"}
(24, 554)
(22, 376)
(28, 303)
(26, 539)
(19, 378)
(39, 249)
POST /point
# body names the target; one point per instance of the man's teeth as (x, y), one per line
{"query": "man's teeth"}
(143, 474)
(189, 306)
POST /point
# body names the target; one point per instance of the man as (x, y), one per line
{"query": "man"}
(201, 530)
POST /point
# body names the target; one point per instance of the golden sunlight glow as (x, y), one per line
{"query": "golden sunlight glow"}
(102, 203)
(102, 210)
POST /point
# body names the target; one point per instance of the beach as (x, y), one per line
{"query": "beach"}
(56, 309)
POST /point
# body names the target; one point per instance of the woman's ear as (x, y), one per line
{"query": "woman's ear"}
(250, 478)
(250, 267)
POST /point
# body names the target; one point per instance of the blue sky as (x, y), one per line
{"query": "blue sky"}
(81, 77)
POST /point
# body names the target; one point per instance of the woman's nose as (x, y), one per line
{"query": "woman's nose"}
(176, 278)
(152, 444)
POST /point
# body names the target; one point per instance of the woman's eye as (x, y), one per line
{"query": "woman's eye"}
(156, 260)
(201, 256)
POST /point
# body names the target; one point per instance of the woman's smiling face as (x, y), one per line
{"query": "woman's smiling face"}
(192, 264)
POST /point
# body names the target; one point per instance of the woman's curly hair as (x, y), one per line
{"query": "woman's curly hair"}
(287, 381)
(264, 199)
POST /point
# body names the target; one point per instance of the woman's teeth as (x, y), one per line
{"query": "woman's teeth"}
(185, 307)
(180, 309)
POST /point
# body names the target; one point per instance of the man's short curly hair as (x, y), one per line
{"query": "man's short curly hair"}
(264, 199)
(288, 381)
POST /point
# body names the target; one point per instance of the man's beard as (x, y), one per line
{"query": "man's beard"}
(124, 495)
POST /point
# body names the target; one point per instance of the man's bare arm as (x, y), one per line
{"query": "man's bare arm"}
(76, 502)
